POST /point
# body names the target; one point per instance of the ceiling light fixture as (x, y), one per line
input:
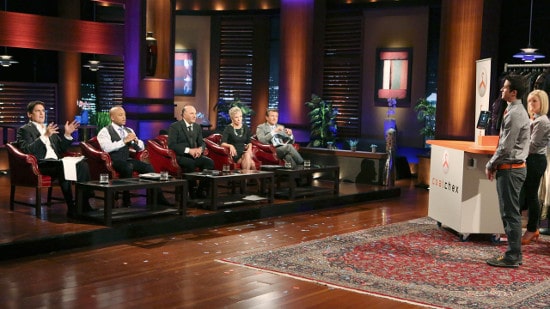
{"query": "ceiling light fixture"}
(529, 54)
(5, 59)
(93, 64)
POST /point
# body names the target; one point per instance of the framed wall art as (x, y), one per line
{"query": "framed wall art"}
(393, 76)
(184, 72)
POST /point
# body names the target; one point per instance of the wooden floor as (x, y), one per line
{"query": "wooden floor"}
(178, 270)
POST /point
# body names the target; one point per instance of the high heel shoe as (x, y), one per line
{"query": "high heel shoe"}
(530, 236)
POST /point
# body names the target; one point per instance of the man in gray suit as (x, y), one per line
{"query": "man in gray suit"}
(273, 133)
(185, 139)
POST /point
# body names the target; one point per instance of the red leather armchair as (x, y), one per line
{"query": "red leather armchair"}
(266, 153)
(162, 158)
(219, 154)
(24, 172)
(100, 161)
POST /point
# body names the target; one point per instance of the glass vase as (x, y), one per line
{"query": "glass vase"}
(84, 117)
(151, 54)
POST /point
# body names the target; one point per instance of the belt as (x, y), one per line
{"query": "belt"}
(508, 166)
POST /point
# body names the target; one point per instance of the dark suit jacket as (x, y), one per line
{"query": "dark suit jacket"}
(28, 140)
(180, 138)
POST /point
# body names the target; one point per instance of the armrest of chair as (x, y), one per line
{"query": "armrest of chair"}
(142, 155)
(24, 164)
(163, 158)
(218, 149)
(219, 154)
(98, 161)
(263, 147)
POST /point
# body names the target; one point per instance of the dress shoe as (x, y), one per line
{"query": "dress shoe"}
(530, 236)
(501, 261)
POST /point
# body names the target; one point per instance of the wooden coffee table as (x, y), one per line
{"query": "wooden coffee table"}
(128, 184)
(216, 179)
(292, 175)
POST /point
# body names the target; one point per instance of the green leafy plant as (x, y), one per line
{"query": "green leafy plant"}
(223, 107)
(425, 113)
(102, 119)
(322, 117)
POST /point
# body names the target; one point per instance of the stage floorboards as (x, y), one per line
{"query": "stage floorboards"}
(179, 269)
(23, 234)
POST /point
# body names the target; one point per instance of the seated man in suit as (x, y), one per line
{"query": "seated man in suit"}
(185, 139)
(271, 132)
(116, 139)
(48, 146)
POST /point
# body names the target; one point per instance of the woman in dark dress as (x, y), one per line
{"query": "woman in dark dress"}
(236, 137)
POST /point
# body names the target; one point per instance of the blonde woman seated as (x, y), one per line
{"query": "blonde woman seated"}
(236, 137)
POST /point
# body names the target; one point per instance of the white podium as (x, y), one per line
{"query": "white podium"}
(461, 197)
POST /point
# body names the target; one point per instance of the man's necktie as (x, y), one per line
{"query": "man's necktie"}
(190, 128)
(121, 132)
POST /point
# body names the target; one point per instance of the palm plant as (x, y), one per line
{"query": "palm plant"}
(426, 114)
(322, 117)
(223, 107)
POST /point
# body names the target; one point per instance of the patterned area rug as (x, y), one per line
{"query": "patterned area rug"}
(415, 262)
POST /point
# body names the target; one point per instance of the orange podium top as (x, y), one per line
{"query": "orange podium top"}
(465, 146)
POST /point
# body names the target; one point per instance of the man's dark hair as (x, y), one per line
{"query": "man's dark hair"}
(32, 104)
(517, 83)
(271, 110)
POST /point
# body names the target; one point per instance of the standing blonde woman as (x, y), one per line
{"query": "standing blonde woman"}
(236, 137)
(537, 106)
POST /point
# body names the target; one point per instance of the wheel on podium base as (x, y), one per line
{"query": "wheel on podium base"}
(464, 236)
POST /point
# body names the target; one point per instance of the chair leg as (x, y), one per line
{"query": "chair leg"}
(12, 197)
(49, 202)
(38, 202)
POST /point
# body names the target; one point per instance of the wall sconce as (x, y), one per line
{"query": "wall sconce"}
(529, 54)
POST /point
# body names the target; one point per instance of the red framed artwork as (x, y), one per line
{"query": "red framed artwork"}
(393, 76)
(184, 72)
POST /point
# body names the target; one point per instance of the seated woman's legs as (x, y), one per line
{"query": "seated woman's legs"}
(246, 161)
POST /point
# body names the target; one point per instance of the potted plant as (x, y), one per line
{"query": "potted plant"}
(425, 113)
(425, 110)
(353, 144)
(223, 107)
(102, 119)
(322, 117)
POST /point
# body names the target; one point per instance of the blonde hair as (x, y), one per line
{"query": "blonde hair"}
(234, 110)
(543, 97)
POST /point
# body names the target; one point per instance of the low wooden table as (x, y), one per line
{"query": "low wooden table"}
(128, 184)
(355, 166)
(292, 175)
(266, 180)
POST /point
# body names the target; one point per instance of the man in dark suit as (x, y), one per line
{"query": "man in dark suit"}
(48, 146)
(185, 139)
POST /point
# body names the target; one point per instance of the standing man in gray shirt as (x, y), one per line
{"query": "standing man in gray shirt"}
(508, 167)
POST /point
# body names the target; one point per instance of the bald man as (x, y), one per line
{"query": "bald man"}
(185, 138)
(117, 139)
